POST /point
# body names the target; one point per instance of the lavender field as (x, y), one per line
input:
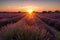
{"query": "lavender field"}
(19, 26)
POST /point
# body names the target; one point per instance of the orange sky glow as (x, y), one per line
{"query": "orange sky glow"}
(24, 5)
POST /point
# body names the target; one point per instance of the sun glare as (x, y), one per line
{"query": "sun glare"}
(30, 11)
(29, 14)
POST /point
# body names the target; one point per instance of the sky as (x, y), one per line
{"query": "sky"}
(23, 5)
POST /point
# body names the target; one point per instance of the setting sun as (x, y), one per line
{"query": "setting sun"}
(30, 11)
(30, 14)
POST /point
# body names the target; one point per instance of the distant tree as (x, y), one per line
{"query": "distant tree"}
(57, 11)
(44, 11)
(35, 12)
(19, 11)
(50, 12)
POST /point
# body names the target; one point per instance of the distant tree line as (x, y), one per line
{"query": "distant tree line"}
(56, 11)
